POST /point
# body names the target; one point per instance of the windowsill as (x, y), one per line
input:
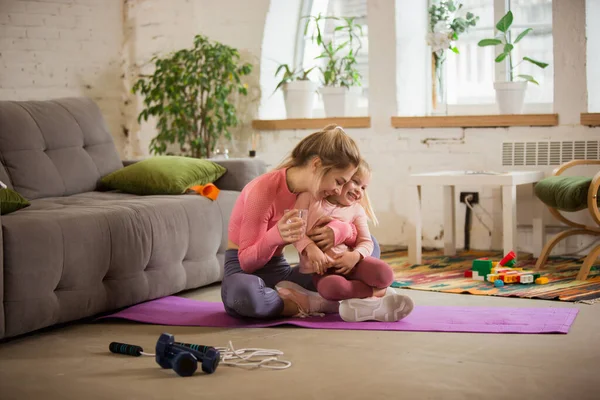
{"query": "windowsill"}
(310, 123)
(590, 119)
(476, 121)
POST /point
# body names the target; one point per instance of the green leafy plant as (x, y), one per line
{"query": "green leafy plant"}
(190, 95)
(503, 39)
(290, 75)
(444, 23)
(340, 58)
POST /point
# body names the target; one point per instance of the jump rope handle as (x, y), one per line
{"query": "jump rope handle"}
(124, 348)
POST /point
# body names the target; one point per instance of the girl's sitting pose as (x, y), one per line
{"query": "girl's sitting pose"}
(349, 275)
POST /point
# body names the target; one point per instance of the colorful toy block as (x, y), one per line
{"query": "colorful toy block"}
(478, 277)
(526, 279)
(498, 283)
(483, 267)
(503, 272)
(507, 258)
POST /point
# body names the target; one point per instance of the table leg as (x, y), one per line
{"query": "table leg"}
(509, 218)
(539, 226)
(415, 229)
(449, 221)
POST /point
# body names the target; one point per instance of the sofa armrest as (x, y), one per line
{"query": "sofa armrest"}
(240, 171)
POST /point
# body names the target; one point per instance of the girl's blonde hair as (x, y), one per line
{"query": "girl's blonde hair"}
(332, 145)
(364, 170)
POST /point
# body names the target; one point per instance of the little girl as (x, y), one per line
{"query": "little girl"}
(352, 276)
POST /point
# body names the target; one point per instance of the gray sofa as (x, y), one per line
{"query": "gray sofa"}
(78, 251)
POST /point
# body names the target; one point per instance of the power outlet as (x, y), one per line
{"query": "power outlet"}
(474, 200)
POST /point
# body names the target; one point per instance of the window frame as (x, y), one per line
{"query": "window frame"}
(500, 74)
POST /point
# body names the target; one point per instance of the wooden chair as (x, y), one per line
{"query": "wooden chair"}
(576, 228)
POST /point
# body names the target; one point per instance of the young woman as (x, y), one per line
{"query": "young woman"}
(260, 228)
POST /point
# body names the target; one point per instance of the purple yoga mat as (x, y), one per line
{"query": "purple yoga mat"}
(187, 312)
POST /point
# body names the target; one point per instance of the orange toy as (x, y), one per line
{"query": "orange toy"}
(208, 190)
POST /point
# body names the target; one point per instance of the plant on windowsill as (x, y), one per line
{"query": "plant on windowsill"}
(510, 95)
(298, 91)
(340, 77)
(446, 23)
(190, 93)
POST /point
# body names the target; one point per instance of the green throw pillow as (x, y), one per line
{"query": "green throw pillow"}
(11, 201)
(163, 175)
(566, 193)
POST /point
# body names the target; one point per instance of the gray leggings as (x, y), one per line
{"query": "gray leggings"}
(252, 295)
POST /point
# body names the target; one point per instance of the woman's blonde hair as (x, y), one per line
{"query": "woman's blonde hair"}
(332, 145)
(364, 170)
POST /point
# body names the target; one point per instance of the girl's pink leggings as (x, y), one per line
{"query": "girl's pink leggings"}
(369, 273)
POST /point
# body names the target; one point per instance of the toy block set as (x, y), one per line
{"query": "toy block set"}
(503, 272)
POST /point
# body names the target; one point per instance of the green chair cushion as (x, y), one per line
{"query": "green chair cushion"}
(163, 175)
(565, 193)
(11, 201)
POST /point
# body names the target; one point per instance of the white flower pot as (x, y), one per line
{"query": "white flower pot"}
(299, 98)
(510, 96)
(340, 101)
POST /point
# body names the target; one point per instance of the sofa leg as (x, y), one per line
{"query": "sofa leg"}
(584, 271)
(541, 261)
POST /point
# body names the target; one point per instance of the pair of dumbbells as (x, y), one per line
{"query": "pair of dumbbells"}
(183, 358)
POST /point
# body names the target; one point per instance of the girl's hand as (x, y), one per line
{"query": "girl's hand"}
(291, 226)
(317, 259)
(345, 262)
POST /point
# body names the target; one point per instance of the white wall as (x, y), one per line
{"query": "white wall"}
(593, 55)
(395, 153)
(61, 48)
(156, 27)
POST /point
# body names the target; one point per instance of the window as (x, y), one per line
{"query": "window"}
(306, 50)
(470, 74)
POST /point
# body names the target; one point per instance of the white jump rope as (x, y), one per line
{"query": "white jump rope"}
(264, 358)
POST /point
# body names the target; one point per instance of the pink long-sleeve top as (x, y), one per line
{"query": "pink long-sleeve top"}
(354, 214)
(253, 222)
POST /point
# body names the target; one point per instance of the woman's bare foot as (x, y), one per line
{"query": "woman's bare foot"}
(379, 292)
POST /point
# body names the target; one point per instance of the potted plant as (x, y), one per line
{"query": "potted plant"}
(446, 22)
(190, 95)
(340, 77)
(510, 95)
(298, 91)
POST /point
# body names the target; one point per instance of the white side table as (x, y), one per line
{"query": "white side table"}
(449, 179)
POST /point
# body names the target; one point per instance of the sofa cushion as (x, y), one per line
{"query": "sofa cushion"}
(56, 147)
(565, 193)
(163, 175)
(70, 257)
(11, 201)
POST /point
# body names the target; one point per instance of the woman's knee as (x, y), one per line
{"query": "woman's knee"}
(247, 296)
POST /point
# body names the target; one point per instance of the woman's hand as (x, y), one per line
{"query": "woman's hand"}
(291, 226)
(321, 234)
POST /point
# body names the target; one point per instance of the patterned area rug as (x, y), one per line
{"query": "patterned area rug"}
(440, 273)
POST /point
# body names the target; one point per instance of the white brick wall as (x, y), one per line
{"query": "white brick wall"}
(52, 48)
(60, 48)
